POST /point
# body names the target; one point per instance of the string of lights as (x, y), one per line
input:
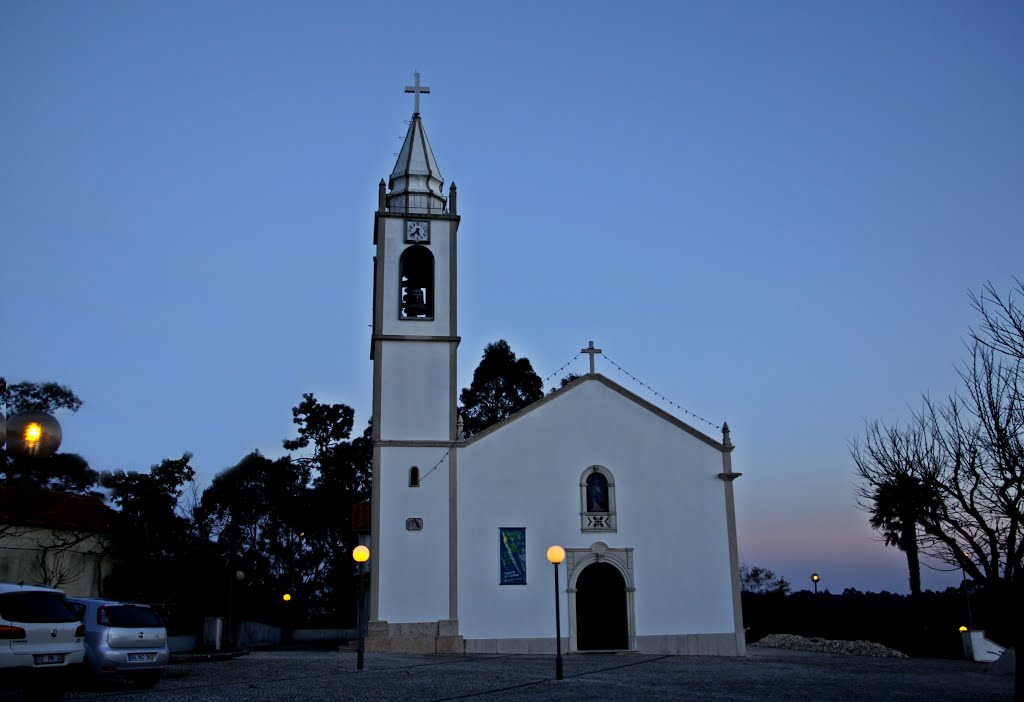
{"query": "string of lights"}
(437, 465)
(659, 395)
(564, 366)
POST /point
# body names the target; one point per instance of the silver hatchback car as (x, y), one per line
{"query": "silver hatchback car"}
(123, 639)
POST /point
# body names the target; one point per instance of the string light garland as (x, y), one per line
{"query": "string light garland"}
(564, 366)
(436, 465)
(622, 370)
(659, 395)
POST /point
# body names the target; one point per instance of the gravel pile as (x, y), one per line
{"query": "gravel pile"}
(852, 648)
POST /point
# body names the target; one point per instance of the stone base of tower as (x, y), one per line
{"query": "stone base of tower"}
(414, 637)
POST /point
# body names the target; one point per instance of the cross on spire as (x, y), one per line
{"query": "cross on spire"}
(416, 90)
(591, 351)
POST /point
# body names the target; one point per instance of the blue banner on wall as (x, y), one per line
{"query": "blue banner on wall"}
(512, 546)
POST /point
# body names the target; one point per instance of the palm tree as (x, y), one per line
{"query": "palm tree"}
(898, 507)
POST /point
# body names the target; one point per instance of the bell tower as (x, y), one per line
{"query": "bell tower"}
(413, 349)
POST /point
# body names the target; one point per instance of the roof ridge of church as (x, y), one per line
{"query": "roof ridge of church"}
(615, 387)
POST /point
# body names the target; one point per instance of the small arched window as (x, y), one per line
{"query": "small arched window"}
(416, 280)
(597, 500)
(414, 476)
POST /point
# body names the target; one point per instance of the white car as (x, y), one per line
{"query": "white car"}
(41, 639)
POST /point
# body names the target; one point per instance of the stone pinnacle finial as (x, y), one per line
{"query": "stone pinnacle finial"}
(726, 441)
(382, 196)
(452, 193)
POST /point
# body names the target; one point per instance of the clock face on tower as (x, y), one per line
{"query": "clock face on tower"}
(417, 232)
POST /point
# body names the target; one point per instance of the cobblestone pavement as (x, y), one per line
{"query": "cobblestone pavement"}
(766, 674)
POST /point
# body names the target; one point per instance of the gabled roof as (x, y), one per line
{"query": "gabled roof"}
(632, 397)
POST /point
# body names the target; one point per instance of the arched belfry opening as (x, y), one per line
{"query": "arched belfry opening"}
(417, 283)
(602, 620)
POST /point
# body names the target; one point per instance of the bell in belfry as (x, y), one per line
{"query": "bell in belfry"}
(413, 303)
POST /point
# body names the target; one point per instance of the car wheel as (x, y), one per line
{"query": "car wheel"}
(146, 680)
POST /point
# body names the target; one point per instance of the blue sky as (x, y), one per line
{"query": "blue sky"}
(771, 213)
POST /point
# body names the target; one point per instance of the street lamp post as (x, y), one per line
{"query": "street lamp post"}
(814, 579)
(556, 554)
(967, 596)
(360, 554)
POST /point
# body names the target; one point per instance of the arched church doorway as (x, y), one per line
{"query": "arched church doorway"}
(601, 616)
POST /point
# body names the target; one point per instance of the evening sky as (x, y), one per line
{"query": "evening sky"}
(770, 213)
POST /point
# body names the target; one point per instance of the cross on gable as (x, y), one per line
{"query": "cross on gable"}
(416, 90)
(591, 351)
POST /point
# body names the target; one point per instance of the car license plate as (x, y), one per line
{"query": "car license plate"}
(141, 657)
(48, 658)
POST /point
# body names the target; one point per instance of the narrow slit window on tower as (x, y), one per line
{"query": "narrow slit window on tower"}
(417, 283)
(414, 476)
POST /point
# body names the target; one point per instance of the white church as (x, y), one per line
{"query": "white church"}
(641, 501)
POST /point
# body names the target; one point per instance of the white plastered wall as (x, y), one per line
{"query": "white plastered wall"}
(415, 391)
(413, 564)
(670, 510)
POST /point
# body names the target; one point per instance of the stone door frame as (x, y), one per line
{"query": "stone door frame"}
(576, 559)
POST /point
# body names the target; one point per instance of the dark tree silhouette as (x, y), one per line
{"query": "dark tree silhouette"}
(322, 425)
(158, 556)
(565, 381)
(44, 397)
(502, 385)
(286, 522)
(760, 580)
(897, 488)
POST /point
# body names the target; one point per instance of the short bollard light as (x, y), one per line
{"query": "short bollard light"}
(556, 554)
(360, 554)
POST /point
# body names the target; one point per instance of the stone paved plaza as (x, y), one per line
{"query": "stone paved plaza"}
(766, 674)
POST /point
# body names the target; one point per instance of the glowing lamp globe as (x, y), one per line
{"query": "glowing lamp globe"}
(556, 554)
(33, 433)
(360, 554)
(963, 630)
(287, 597)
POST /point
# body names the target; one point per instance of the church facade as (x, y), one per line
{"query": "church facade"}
(641, 502)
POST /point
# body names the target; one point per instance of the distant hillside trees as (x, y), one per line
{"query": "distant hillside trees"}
(760, 581)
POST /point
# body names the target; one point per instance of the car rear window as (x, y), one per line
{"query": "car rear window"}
(36, 608)
(131, 616)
